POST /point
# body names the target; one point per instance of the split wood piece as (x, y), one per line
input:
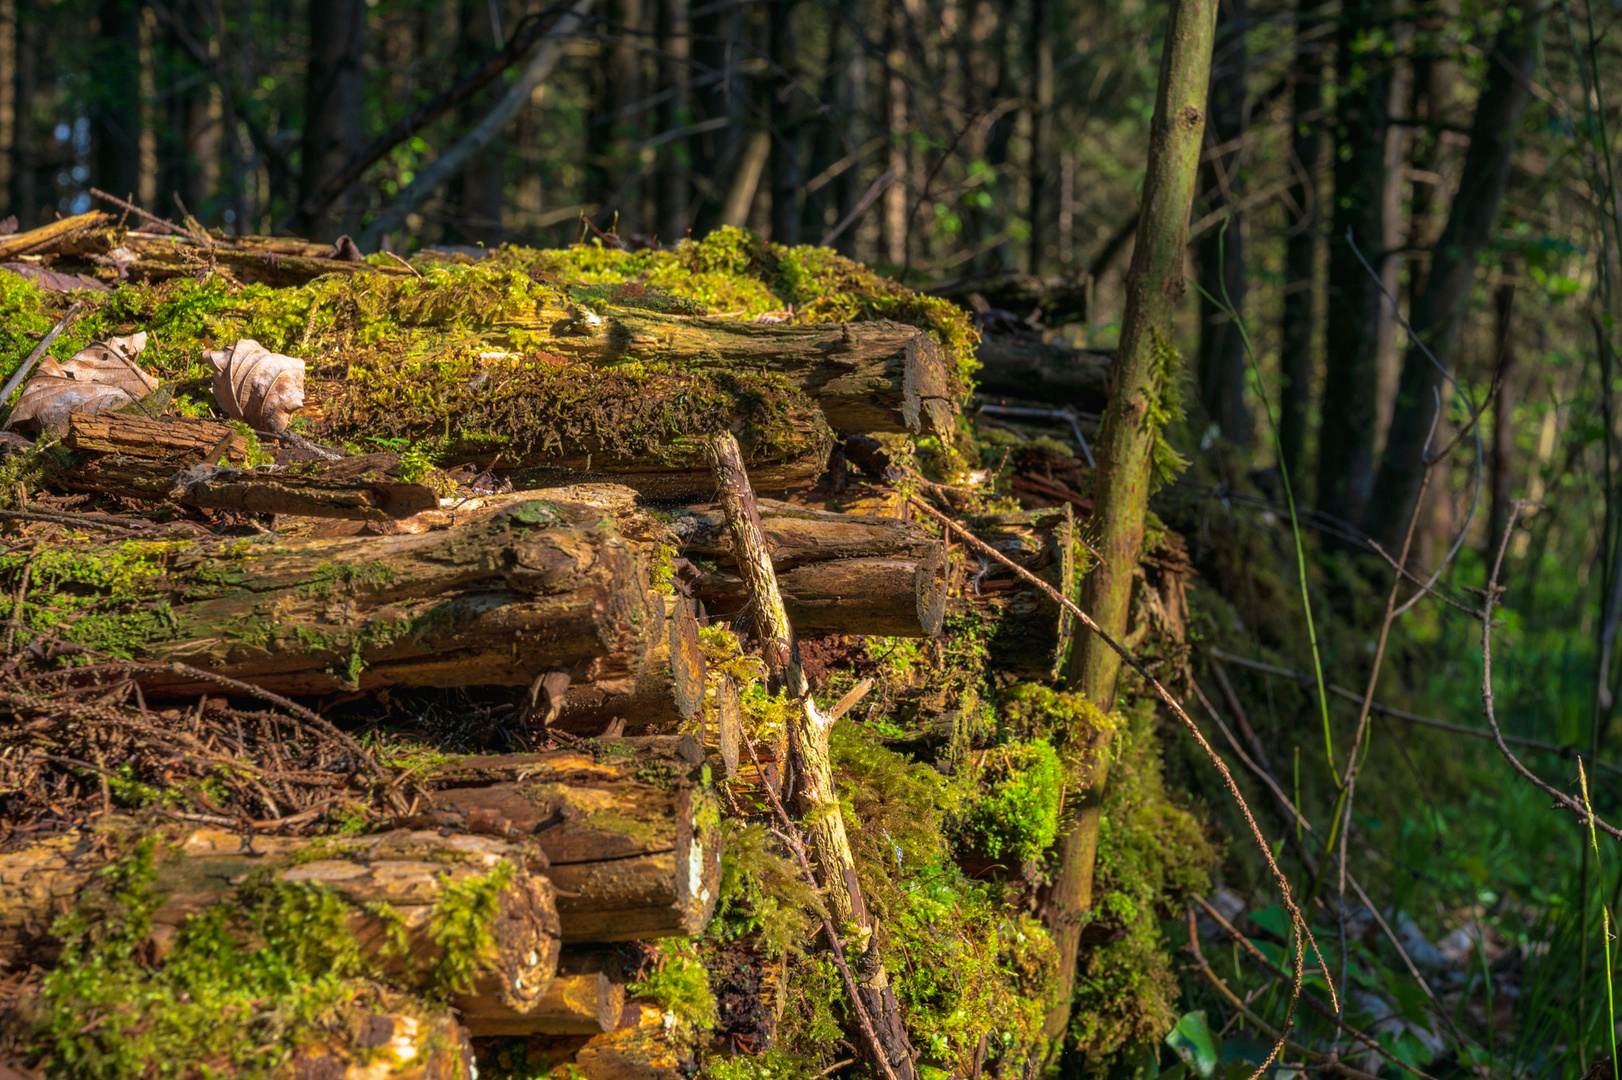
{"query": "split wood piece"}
(640, 1047)
(1033, 633)
(878, 1013)
(51, 236)
(361, 1042)
(796, 535)
(364, 487)
(541, 587)
(138, 456)
(668, 690)
(1051, 373)
(890, 597)
(630, 827)
(586, 997)
(154, 257)
(392, 881)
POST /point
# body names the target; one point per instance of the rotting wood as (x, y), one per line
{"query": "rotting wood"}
(1052, 373)
(891, 597)
(360, 488)
(879, 1013)
(50, 235)
(391, 881)
(668, 690)
(796, 535)
(543, 586)
(640, 1047)
(149, 256)
(586, 997)
(1032, 634)
(630, 827)
(365, 1041)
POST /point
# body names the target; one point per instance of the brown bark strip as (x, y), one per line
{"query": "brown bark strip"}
(817, 796)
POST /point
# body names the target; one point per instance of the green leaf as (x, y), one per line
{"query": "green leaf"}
(1195, 1043)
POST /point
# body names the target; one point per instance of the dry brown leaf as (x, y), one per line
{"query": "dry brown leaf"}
(53, 281)
(261, 388)
(98, 379)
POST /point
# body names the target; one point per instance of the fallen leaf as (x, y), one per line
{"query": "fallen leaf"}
(97, 379)
(261, 388)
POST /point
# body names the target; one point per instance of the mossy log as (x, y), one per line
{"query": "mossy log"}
(668, 690)
(540, 587)
(630, 827)
(393, 884)
(365, 487)
(903, 597)
(586, 997)
(1051, 373)
(1032, 633)
(159, 257)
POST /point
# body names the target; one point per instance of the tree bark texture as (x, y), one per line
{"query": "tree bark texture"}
(1145, 371)
(498, 602)
(390, 880)
(1439, 313)
(889, 597)
(630, 829)
(1502, 466)
(1348, 409)
(1033, 634)
(668, 690)
(817, 797)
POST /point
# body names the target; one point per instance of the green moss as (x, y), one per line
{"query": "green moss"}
(1067, 721)
(461, 926)
(1015, 811)
(773, 1064)
(763, 895)
(1152, 856)
(680, 985)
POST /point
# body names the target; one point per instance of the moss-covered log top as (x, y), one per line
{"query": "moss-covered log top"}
(586, 359)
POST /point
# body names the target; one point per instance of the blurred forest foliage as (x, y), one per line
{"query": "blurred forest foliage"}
(993, 150)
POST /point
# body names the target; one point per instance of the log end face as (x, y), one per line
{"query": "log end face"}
(927, 402)
(686, 659)
(527, 937)
(931, 581)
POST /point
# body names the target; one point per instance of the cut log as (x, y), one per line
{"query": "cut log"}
(667, 691)
(1053, 374)
(796, 536)
(887, 597)
(361, 488)
(1033, 634)
(392, 882)
(586, 997)
(631, 830)
(364, 1043)
(160, 257)
(149, 437)
(52, 235)
(541, 587)
(640, 1047)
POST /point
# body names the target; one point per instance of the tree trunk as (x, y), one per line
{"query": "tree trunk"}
(24, 194)
(787, 108)
(1438, 316)
(817, 797)
(1349, 411)
(675, 73)
(333, 99)
(392, 882)
(1145, 373)
(1300, 316)
(476, 191)
(1039, 38)
(631, 832)
(498, 602)
(1222, 366)
(115, 85)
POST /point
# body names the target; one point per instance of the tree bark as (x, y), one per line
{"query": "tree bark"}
(1438, 316)
(333, 98)
(1032, 634)
(1144, 374)
(1221, 364)
(1301, 247)
(667, 692)
(476, 192)
(891, 597)
(1348, 414)
(1502, 482)
(631, 832)
(585, 997)
(498, 602)
(389, 880)
(817, 797)
(796, 536)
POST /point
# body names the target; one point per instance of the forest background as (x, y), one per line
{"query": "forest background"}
(1404, 238)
